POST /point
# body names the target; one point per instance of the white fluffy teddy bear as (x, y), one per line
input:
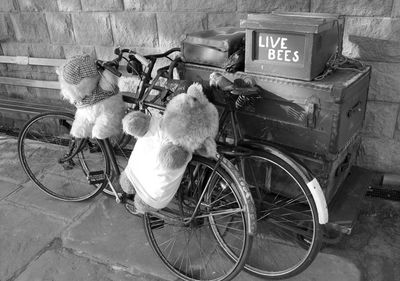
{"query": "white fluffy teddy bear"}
(165, 146)
(96, 96)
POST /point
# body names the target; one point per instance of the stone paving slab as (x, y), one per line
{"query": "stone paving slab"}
(109, 233)
(10, 167)
(23, 234)
(30, 195)
(6, 188)
(63, 265)
(325, 267)
(374, 244)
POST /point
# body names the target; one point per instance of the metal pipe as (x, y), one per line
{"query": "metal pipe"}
(391, 179)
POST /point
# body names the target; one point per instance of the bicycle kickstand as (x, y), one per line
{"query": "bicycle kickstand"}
(120, 197)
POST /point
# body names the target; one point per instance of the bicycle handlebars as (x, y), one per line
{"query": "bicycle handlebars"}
(111, 66)
(145, 60)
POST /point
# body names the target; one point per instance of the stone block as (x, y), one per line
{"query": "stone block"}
(102, 5)
(172, 27)
(24, 233)
(44, 72)
(15, 49)
(21, 71)
(48, 96)
(380, 154)
(46, 51)
(396, 8)
(398, 122)
(6, 123)
(73, 50)
(368, 49)
(104, 53)
(6, 28)
(148, 6)
(380, 119)
(385, 82)
(7, 6)
(372, 39)
(353, 7)
(37, 5)
(92, 29)
(262, 6)
(204, 5)
(397, 135)
(47, 267)
(60, 28)
(18, 92)
(373, 27)
(224, 19)
(134, 29)
(3, 71)
(30, 27)
(69, 5)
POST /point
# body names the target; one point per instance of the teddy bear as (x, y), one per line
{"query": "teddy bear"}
(95, 94)
(165, 144)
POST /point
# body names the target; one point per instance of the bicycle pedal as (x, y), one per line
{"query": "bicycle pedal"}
(96, 177)
(69, 165)
(156, 223)
(132, 210)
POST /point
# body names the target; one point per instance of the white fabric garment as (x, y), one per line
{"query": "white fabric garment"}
(155, 185)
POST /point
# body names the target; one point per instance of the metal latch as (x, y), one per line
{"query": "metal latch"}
(356, 108)
(311, 115)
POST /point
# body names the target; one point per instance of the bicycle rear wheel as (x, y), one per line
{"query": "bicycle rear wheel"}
(43, 145)
(190, 248)
(288, 232)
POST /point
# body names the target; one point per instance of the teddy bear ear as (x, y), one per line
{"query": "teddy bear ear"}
(195, 89)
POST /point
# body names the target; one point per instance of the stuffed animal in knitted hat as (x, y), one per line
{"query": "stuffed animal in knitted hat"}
(165, 145)
(95, 94)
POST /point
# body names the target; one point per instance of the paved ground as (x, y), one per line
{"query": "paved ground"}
(45, 239)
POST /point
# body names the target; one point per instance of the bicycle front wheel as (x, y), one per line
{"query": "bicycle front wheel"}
(43, 145)
(288, 232)
(211, 203)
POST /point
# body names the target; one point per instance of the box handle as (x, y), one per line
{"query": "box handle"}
(356, 108)
(311, 118)
(343, 166)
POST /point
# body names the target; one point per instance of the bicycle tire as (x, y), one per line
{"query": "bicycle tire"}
(281, 248)
(192, 251)
(43, 141)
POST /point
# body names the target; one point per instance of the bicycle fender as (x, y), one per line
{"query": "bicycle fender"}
(320, 202)
(299, 168)
(312, 182)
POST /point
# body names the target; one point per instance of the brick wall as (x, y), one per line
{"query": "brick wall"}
(62, 28)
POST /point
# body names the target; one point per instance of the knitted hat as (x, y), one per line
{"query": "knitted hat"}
(79, 67)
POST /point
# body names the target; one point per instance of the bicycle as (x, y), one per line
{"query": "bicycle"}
(205, 233)
(291, 207)
(290, 204)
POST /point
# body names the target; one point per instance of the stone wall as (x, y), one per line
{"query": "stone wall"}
(62, 28)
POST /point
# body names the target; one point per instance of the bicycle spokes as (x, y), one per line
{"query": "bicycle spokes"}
(288, 234)
(205, 233)
(55, 161)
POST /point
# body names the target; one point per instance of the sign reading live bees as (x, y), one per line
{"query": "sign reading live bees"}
(278, 47)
